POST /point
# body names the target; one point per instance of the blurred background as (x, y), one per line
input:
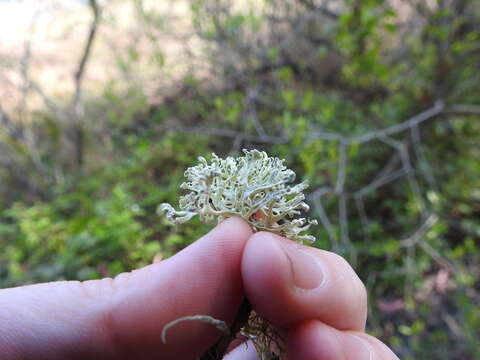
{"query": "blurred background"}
(103, 104)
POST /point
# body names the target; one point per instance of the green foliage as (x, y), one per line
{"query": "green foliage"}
(279, 71)
(73, 238)
(102, 224)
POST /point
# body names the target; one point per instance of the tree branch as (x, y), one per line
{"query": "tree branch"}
(320, 9)
(86, 55)
(5, 122)
(77, 102)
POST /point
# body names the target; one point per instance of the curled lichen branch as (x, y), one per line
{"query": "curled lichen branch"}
(219, 324)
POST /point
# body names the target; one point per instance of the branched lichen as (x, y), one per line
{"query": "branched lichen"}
(255, 187)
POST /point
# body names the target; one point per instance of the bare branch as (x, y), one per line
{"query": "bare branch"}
(375, 184)
(466, 109)
(424, 164)
(344, 233)
(320, 9)
(407, 166)
(251, 111)
(389, 166)
(437, 109)
(416, 120)
(24, 69)
(85, 56)
(317, 202)
(317, 193)
(5, 122)
(421, 231)
(435, 255)
(343, 219)
(342, 168)
(270, 139)
(359, 203)
(326, 135)
(49, 103)
(237, 143)
(417, 239)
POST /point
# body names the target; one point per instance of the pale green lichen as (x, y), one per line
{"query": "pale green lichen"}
(255, 187)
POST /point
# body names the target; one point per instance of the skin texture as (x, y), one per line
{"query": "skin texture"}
(312, 296)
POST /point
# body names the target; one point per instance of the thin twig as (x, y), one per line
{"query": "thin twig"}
(417, 238)
(251, 111)
(13, 130)
(320, 9)
(423, 162)
(49, 103)
(407, 166)
(342, 168)
(325, 221)
(343, 219)
(416, 120)
(359, 203)
(465, 109)
(269, 139)
(389, 167)
(421, 231)
(24, 70)
(437, 109)
(375, 184)
(79, 74)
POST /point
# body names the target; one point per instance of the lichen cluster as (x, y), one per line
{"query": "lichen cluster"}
(255, 187)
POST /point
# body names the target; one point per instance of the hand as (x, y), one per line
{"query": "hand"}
(312, 296)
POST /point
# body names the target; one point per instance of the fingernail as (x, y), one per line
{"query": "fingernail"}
(362, 348)
(307, 271)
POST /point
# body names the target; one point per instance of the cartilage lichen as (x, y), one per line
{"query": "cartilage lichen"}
(255, 187)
